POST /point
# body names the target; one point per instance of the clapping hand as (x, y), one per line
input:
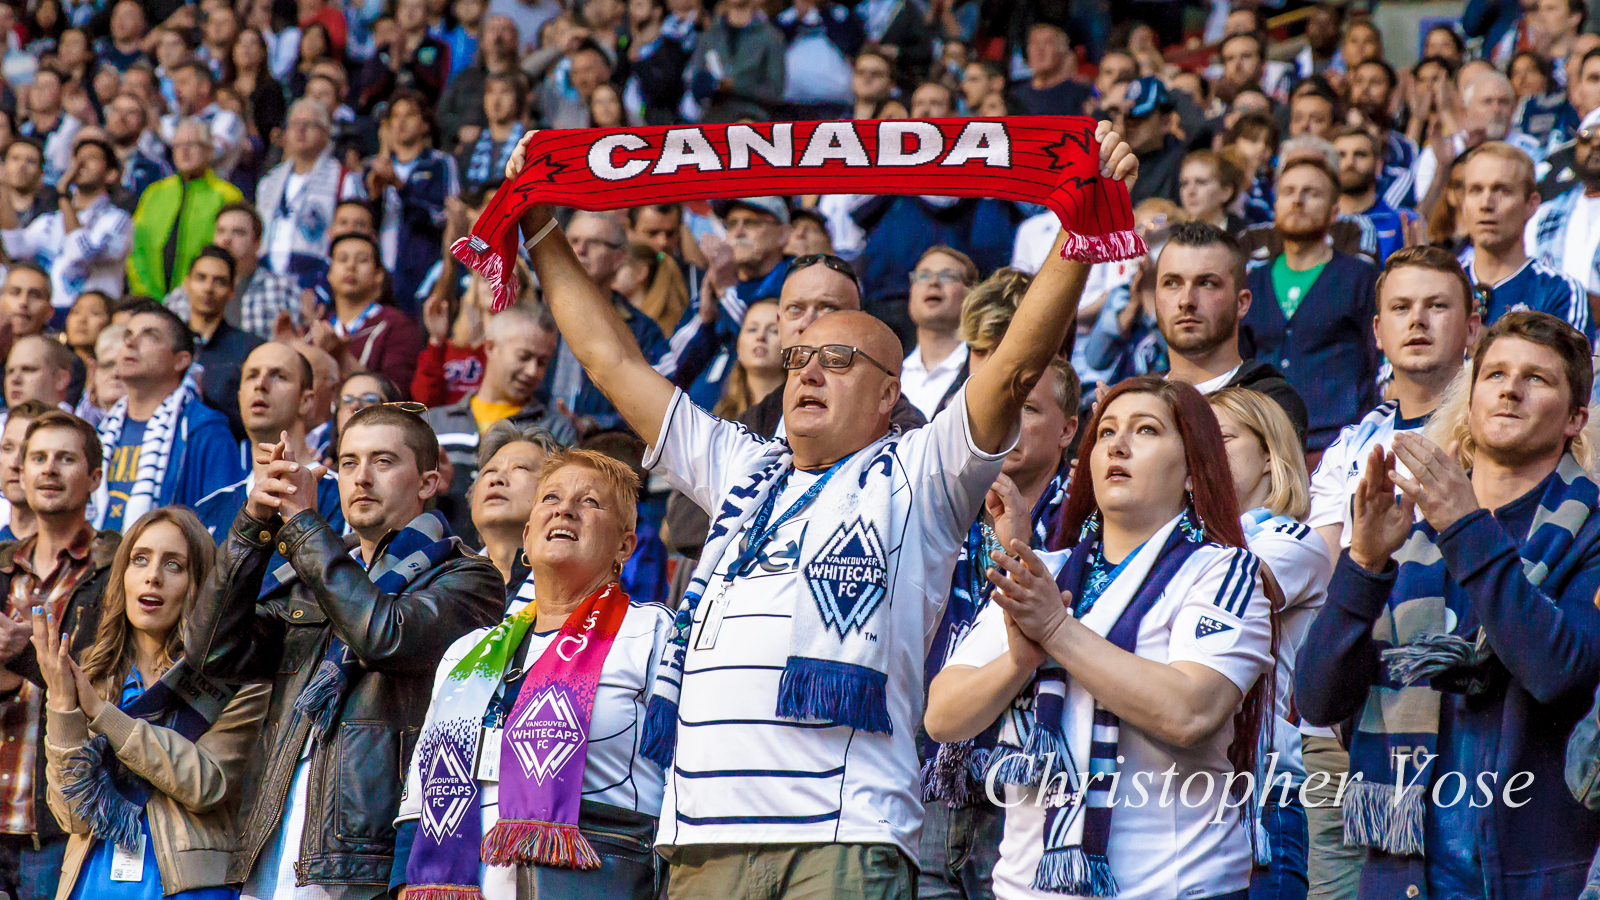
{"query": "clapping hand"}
(287, 487)
(1024, 589)
(65, 686)
(14, 636)
(1379, 523)
(1437, 485)
(1005, 508)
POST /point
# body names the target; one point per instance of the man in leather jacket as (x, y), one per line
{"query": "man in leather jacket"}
(321, 797)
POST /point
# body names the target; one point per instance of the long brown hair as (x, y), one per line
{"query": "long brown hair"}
(1211, 483)
(108, 660)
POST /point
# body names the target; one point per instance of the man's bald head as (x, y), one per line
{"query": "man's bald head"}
(326, 371)
(829, 413)
(864, 331)
(808, 293)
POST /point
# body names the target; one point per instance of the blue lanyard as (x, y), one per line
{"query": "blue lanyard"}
(760, 533)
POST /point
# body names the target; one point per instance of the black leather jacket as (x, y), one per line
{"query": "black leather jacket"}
(356, 777)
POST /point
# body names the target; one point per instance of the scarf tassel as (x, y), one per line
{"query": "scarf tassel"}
(1428, 655)
(1048, 743)
(476, 254)
(1069, 870)
(660, 731)
(1012, 766)
(443, 892)
(88, 790)
(843, 694)
(946, 776)
(1375, 817)
(1099, 248)
(319, 700)
(557, 844)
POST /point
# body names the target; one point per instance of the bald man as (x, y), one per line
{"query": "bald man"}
(325, 383)
(829, 560)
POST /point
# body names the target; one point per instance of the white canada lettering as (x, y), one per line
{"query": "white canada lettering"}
(686, 147)
(929, 143)
(603, 151)
(834, 140)
(743, 139)
(987, 141)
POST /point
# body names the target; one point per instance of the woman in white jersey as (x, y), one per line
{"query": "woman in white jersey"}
(1270, 480)
(1129, 684)
(526, 780)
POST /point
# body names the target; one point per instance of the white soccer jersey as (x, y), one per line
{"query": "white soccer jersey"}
(741, 775)
(1345, 461)
(614, 772)
(1158, 849)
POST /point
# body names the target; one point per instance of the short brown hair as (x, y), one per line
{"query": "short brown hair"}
(1546, 331)
(618, 477)
(969, 269)
(56, 418)
(419, 437)
(1507, 152)
(1435, 259)
(256, 225)
(1068, 390)
(1358, 131)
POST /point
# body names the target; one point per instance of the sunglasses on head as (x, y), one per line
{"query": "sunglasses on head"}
(828, 260)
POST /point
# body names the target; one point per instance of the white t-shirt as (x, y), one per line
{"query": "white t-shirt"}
(1582, 242)
(1156, 850)
(741, 774)
(1345, 461)
(614, 772)
(924, 387)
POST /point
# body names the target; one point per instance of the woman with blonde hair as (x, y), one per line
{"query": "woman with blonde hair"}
(1208, 184)
(145, 756)
(652, 283)
(1270, 480)
(756, 372)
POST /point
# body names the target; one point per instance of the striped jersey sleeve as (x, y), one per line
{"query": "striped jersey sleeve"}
(1220, 616)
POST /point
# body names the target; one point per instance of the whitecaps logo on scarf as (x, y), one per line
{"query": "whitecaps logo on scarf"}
(545, 734)
(848, 577)
(450, 791)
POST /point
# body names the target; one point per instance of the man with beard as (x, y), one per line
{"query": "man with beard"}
(126, 122)
(1322, 41)
(1245, 65)
(1372, 85)
(1565, 231)
(1358, 193)
(1497, 199)
(1556, 171)
(518, 345)
(86, 241)
(1488, 103)
(1315, 307)
(1200, 299)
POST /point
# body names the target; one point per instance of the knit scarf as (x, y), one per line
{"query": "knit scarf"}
(163, 442)
(834, 672)
(952, 772)
(488, 160)
(104, 792)
(310, 210)
(544, 746)
(414, 550)
(1057, 724)
(1052, 160)
(1435, 645)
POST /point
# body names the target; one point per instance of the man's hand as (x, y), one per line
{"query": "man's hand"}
(721, 270)
(382, 173)
(1438, 485)
(301, 479)
(1116, 157)
(534, 217)
(263, 501)
(1379, 523)
(64, 186)
(14, 637)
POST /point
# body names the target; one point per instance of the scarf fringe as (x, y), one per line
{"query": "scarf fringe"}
(1099, 248)
(1012, 766)
(1069, 870)
(88, 790)
(557, 844)
(1047, 742)
(443, 892)
(1375, 817)
(840, 693)
(1429, 655)
(476, 254)
(319, 700)
(660, 731)
(947, 776)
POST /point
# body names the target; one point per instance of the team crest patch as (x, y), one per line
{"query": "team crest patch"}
(546, 734)
(451, 791)
(848, 578)
(1214, 635)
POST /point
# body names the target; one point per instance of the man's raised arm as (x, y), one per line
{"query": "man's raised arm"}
(996, 392)
(590, 324)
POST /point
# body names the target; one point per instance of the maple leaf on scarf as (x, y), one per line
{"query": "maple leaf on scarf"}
(539, 171)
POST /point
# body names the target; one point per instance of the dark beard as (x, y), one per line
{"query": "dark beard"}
(1305, 235)
(1367, 184)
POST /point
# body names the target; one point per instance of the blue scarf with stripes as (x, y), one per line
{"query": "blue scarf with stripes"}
(1434, 645)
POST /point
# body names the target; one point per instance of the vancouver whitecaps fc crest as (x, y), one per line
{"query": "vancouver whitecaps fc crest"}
(450, 794)
(546, 734)
(849, 576)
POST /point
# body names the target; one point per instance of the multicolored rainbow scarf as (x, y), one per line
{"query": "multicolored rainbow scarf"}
(544, 750)
(1052, 160)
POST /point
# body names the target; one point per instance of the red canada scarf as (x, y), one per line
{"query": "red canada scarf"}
(1053, 160)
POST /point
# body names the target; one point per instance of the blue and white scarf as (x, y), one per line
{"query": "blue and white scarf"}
(164, 441)
(834, 673)
(413, 551)
(310, 211)
(1056, 724)
(488, 161)
(1434, 644)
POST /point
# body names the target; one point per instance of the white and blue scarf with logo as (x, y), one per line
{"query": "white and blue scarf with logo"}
(165, 440)
(834, 672)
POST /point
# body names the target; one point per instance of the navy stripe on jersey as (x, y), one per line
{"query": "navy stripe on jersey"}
(758, 773)
(758, 820)
(1294, 530)
(1238, 582)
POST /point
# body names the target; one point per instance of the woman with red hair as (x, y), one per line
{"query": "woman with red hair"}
(1113, 689)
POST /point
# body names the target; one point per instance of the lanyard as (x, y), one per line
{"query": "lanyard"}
(357, 323)
(760, 533)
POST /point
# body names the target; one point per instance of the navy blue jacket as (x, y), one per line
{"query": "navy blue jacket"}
(420, 225)
(1548, 639)
(1326, 351)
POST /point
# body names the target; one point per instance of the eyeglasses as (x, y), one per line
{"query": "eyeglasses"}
(586, 243)
(828, 260)
(831, 356)
(349, 400)
(943, 276)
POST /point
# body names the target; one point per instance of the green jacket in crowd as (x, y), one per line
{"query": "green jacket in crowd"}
(174, 219)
